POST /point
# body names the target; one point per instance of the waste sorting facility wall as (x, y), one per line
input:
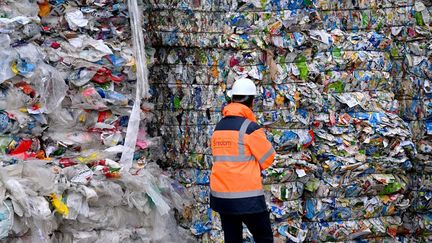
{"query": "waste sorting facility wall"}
(344, 92)
(67, 87)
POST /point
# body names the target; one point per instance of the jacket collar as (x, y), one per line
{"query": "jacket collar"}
(237, 109)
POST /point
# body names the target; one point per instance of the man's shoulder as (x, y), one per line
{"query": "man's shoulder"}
(230, 123)
(253, 126)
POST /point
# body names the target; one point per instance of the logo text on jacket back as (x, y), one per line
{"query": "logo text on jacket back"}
(222, 143)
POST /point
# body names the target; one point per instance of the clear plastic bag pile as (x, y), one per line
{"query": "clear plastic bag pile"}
(45, 203)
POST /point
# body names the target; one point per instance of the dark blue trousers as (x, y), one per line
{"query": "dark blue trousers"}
(257, 223)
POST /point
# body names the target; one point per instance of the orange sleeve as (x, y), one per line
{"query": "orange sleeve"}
(261, 148)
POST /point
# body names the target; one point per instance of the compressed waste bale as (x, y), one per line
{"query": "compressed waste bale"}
(332, 84)
(67, 78)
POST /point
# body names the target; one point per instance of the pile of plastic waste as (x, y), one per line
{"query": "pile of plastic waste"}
(42, 202)
(344, 95)
(331, 78)
(68, 79)
(415, 96)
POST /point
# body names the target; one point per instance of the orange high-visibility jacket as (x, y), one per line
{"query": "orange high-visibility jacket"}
(240, 152)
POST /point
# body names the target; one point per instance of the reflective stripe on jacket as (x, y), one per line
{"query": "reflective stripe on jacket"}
(240, 151)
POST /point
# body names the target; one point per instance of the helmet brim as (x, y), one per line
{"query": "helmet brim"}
(229, 93)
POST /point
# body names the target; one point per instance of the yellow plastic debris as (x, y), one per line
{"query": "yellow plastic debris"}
(59, 205)
(14, 68)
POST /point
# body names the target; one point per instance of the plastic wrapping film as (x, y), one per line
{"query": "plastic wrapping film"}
(141, 86)
(72, 83)
(343, 97)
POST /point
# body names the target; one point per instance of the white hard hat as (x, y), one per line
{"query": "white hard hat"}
(243, 86)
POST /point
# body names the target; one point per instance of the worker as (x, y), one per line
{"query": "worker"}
(240, 152)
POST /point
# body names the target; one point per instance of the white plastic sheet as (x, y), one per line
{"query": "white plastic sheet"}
(141, 86)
